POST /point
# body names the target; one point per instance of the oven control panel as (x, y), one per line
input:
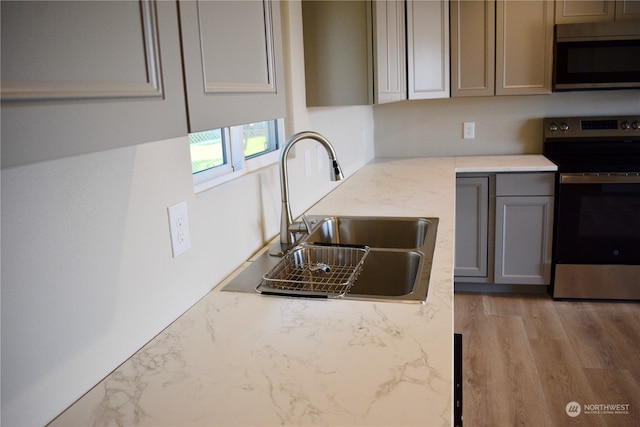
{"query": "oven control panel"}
(585, 127)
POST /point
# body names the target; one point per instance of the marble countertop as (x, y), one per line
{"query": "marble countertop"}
(521, 163)
(245, 359)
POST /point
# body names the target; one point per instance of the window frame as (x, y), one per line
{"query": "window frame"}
(237, 165)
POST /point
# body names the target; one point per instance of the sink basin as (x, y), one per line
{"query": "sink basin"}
(396, 268)
(375, 232)
(388, 274)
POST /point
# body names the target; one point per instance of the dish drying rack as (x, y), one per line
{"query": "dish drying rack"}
(315, 270)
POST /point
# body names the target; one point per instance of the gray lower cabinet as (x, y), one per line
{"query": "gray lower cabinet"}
(523, 240)
(515, 212)
(472, 227)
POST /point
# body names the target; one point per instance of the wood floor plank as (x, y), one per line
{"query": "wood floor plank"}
(524, 402)
(585, 331)
(620, 324)
(541, 319)
(525, 358)
(613, 387)
(563, 380)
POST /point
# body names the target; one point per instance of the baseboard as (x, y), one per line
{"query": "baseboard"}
(500, 288)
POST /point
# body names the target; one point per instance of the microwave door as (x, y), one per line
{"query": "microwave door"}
(597, 64)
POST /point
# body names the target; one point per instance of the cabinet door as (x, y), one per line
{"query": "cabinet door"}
(389, 50)
(472, 48)
(428, 49)
(233, 67)
(523, 240)
(472, 227)
(524, 47)
(338, 52)
(577, 11)
(80, 77)
(627, 10)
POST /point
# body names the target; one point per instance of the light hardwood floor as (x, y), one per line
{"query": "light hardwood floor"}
(526, 357)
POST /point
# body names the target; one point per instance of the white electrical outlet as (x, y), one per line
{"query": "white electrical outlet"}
(179, 228)
(469, 130)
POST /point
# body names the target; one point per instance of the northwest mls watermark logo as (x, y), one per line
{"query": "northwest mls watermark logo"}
(573, 409)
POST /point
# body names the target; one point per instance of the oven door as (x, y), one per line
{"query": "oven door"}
(598, 219)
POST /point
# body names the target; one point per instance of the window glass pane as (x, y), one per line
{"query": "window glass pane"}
(207, 150)
(259, 138)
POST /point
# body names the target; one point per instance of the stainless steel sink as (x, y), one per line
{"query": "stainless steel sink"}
(375, 232)
(388, 274)
(397, 267)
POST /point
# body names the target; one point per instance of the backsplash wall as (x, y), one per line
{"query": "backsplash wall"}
(87, 272)
(503, 124)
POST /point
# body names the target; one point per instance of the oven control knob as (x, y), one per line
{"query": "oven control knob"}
(635, 125)
(625, 125)
(553, 127)
(564, 127)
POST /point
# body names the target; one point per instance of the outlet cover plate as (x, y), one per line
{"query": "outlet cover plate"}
(469, 130)
(179, 228)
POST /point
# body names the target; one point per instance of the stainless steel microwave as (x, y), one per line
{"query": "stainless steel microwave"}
(597, 56)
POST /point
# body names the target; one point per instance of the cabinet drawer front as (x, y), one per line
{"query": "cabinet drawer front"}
(525, 184)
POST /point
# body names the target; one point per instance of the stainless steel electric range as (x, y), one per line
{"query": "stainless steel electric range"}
(596, 251)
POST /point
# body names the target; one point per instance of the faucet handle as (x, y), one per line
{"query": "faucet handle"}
(303, 226)
(307, 223)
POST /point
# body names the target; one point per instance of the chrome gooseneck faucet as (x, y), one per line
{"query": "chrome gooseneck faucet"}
(287, 236)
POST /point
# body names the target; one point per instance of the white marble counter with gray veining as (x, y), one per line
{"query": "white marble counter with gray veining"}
(245, 359)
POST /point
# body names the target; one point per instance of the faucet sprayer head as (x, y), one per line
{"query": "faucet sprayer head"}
(336, 171)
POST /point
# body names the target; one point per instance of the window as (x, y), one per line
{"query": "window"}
(207, 150)
(259, 138)
(219, 155)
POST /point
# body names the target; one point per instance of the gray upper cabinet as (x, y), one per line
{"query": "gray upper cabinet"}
(354, 52)
(581, 11)
(233, 62)
(572, 11)
(473, 29)
(338, 52)
(627, 10)
(80, 77)
(389, 49)
(501, 47)
(428, 53)
(524, 47)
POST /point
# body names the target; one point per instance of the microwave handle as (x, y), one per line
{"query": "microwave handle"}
(600, 178)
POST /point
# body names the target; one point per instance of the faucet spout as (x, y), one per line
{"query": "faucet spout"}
(287, 237)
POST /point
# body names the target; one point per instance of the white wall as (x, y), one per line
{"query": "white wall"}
(504, 124)
(87, 272)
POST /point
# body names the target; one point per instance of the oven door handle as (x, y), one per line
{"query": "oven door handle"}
(602, 178)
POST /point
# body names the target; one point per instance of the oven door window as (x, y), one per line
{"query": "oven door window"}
(598, 224)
